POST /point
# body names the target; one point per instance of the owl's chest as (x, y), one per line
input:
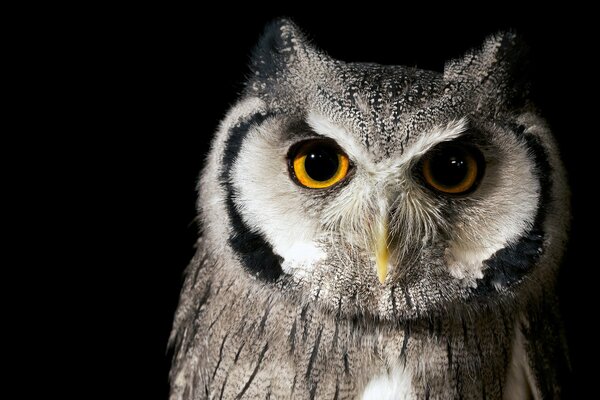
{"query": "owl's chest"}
(292, 351)
(305, 354)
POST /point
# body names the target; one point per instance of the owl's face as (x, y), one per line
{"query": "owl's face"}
(383, 190)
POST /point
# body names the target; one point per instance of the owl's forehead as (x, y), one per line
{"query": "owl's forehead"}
(383, 108)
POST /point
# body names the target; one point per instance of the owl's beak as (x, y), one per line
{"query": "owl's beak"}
(382, 253)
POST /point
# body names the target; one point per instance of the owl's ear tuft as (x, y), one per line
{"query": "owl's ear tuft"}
(499, 68)
(281, 45)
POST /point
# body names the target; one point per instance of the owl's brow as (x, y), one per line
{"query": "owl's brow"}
(432, 137)
(324, 127)
(426, 141)
(300, 130)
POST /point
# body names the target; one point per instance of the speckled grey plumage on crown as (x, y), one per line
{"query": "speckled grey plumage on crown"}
(376, 232)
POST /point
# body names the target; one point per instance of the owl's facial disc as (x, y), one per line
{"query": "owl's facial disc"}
(341, 218)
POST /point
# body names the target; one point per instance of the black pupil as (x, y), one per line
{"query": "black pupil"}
(321, 163)
(449, 167)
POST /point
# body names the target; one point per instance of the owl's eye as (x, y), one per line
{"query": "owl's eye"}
(318, 164)
(453, 169)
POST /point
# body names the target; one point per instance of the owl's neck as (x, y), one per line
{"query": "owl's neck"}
(237, 322)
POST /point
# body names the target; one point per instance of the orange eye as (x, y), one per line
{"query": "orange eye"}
(318, 164)
(453, 169)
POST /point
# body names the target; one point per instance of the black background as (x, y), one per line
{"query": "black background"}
(171, 75)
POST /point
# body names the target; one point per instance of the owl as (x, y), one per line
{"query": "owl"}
(376, 232)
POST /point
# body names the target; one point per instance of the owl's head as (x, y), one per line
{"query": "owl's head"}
(385, 190)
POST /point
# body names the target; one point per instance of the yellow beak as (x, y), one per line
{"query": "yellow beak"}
(382, 253)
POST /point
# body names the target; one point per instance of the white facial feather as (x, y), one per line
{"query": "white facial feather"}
(271, 202)
(507, 205)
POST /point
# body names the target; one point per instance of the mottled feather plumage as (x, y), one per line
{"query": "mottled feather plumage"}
(281, 299)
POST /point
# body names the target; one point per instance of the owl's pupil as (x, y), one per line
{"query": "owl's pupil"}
(449, 168)
(321, 163)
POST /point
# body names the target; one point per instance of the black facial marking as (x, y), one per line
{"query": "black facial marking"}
(508, 265)
(255, 253)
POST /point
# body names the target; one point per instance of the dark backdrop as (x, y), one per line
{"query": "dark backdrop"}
(171, 76)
